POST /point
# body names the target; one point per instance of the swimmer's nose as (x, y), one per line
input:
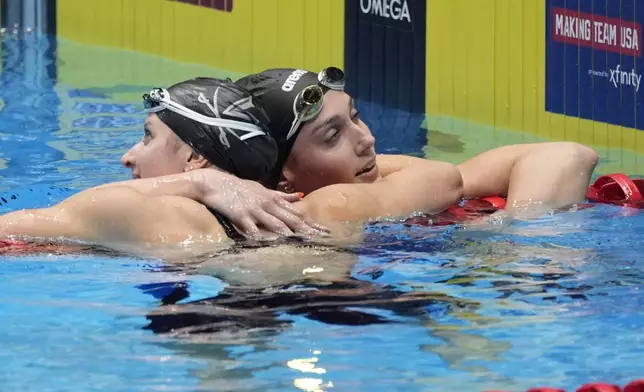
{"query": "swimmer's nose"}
(367, 142)
(127, 159)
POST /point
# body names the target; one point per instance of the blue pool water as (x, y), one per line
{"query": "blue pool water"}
(553, 301)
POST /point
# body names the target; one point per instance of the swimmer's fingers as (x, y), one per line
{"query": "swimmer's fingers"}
(288, 197)
(287, 206)
(318, 226)
(271, 223)
(312, 225)
(247, 226)
(295, 220)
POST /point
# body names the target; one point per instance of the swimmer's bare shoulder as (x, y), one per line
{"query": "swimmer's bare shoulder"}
(392, 163)
(118, 215)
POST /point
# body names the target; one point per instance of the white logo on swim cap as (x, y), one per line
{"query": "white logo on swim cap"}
(236, 109)
(292, 79)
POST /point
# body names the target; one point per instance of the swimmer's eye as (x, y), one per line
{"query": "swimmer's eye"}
(355, 115)
(146, 136)
(332, 135)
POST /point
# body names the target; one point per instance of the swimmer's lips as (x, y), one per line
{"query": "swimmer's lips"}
(367, 168)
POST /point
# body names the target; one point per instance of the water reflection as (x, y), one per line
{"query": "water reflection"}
(439, 281)
(29, 108)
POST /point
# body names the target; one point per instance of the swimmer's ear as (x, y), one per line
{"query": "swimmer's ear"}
(285, 184)
(196, 161)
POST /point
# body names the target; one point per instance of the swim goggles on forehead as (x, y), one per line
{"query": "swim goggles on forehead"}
(308, 103)
(159, 99)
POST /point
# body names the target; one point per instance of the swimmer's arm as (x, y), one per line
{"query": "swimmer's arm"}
(197, 185)
(392, 163)
(426, 186)
(111, 217)
(247, 204)
(189, 185)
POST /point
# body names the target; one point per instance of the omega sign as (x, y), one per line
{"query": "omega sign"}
(390, 12)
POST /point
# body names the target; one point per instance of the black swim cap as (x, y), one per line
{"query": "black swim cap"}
(221, 122)
(276, 91)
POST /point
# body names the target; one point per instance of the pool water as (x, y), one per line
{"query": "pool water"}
(552, 301)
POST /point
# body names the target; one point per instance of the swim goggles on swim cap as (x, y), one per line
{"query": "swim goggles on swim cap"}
(308, 103)
(159, 99)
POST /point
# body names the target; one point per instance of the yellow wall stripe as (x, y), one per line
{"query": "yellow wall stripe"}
(256, 35)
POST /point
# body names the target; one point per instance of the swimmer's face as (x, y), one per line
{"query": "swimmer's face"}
(159, 153)
(336, 147)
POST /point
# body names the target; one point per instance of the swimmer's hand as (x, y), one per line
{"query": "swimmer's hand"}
(251, 207)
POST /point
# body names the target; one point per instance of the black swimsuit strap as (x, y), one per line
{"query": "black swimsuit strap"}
(227, 226)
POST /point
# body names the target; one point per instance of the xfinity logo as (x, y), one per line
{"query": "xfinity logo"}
(292, 79)
(617, 76)
(390, 9)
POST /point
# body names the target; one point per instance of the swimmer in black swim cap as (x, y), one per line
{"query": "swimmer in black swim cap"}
(322, 142)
